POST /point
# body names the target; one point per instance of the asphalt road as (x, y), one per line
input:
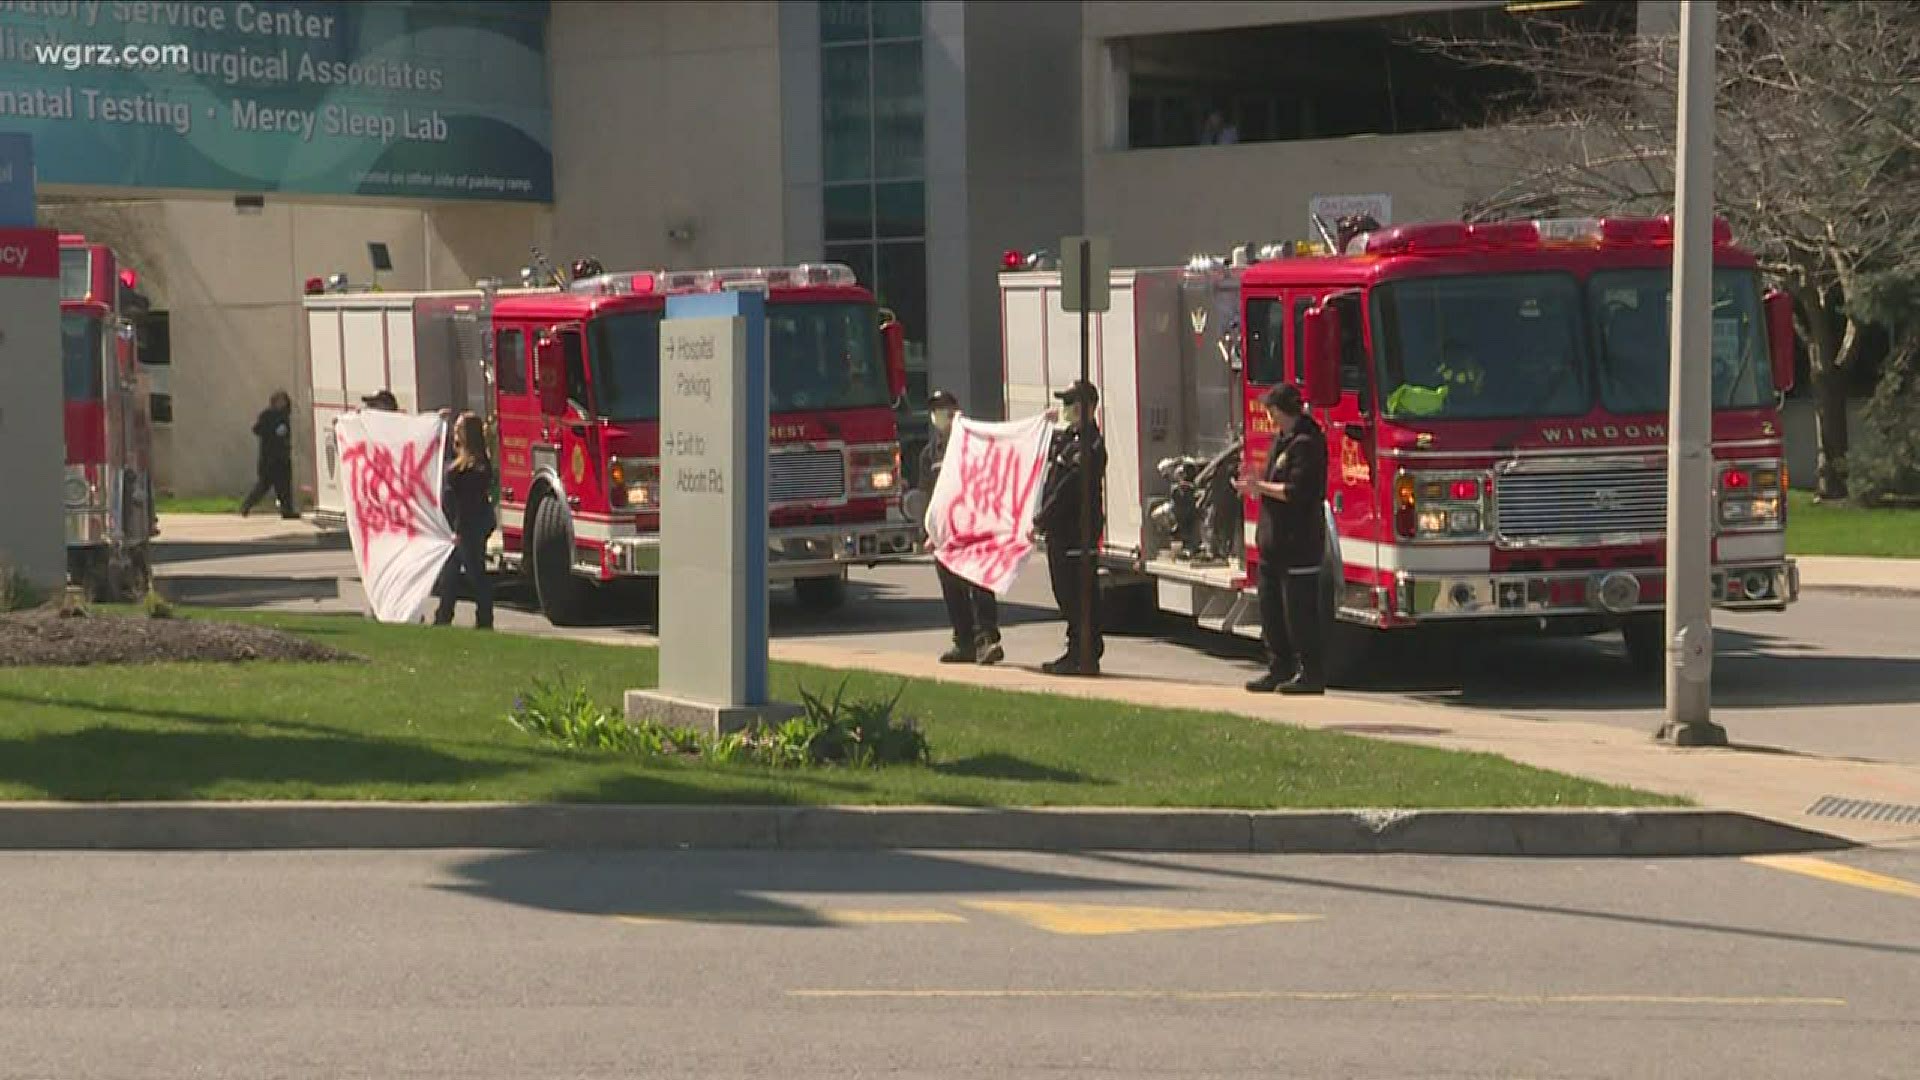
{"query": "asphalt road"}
(1837, 674)
(709, 965)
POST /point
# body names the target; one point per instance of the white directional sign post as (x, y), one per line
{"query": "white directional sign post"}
(32, 440)
(713, 517)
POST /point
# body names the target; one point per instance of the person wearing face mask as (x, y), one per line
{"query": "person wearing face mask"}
(973, 611)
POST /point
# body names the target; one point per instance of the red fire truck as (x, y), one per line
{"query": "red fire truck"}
(569, 381)
(1495, 402)
(109, 487)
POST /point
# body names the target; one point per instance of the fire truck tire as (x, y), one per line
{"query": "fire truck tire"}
(1646, 639)
(563, 597)
(820, 593)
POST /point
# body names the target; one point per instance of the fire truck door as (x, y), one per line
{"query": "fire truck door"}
(517, 414)
(1349, 434)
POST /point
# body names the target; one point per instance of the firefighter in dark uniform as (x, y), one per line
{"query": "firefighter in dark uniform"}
(1292, 490)
(973, 611)
(1059, 521)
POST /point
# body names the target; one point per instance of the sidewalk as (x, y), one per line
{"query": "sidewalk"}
(1854, 574)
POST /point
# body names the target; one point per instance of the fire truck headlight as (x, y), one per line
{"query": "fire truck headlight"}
(1442, 506)
(635, 483)
(874, 470)
(79, 492)
(1750, 513)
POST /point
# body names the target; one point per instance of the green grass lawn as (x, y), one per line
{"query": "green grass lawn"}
(425, 719)
(201, 504)
(1845, 529)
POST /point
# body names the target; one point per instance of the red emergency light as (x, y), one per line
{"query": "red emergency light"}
(1465, 490)
(1012, 259)
(315, 286)
(130, 279)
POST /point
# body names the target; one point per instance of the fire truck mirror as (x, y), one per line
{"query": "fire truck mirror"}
(893, 338)
(1320, 356)
(1780, 338)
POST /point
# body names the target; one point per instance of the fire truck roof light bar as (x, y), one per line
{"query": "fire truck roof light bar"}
(1453, 236)
(630, 282)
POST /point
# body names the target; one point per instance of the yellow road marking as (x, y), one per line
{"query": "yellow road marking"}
(1370, 997)
(799, 917)
(1094, 919)
(1838, 874)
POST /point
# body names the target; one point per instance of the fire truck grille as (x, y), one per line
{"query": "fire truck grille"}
(806, 476)
(1547, 507)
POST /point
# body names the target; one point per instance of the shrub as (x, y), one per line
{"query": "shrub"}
(1885, 466)
(17, 593)
(156, 604)
(860, 732)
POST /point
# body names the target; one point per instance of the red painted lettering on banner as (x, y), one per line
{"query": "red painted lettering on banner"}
(383, 487)
(983, 521)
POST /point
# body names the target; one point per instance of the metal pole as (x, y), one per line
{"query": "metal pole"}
(1690, 405)
(1089, 580)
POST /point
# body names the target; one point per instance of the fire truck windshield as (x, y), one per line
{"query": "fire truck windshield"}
(80, 358)
(76, 273)
(1481, 347)
(825, 356)
(1631, 310)
(625, 357)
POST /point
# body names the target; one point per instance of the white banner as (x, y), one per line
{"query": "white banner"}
(982, 507)
(391, 468)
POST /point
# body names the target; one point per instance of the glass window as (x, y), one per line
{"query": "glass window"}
(510, 362)
(896, 18)
(76, 273)
(576, 369)
(901, 286)
(626, 364)
(846, 114)
(1481, 346)
(856, 257)
(160, 408)
(900, 210)
(80, 356)
(849, 212)
(156, 338)
(825, 356)
(843, 20)
(1353, 344)
(1632, 312)
(899, 112)
(1266, 347)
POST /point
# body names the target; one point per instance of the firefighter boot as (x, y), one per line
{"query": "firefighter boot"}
(990, 652)
(961, 653)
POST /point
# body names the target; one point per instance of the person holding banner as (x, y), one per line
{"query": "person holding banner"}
(972, 609)
(1059, 520)
(468, 499)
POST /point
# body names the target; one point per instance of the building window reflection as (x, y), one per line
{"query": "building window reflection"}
(873, 159)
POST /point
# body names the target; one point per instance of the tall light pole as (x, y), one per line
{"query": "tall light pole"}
(1690, 403)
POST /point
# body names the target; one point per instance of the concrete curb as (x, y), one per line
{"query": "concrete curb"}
(365, 826)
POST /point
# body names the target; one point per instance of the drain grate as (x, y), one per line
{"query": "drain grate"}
(1836, 807)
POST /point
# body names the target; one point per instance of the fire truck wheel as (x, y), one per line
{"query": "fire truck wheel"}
(1646, 638)
(563, 597)
(820, 593)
